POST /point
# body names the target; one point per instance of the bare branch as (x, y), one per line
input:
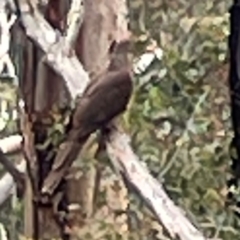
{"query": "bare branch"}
(10, 144)
(53, 44)
(7, 184)
(5, 37)
(120, 152)
(9, 166)
(74, 21)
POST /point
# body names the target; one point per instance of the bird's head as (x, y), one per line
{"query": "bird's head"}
(120, 54)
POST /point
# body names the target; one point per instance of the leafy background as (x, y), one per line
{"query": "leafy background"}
(179, 118)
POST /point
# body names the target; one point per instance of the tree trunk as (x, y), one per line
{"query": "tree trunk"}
(42, 90)
(104, 22)
(45, 94)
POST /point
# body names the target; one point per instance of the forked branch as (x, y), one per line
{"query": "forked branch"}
(56, 46)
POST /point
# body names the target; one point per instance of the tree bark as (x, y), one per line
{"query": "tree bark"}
(42, 90)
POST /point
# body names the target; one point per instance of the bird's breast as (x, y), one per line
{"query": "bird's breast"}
(104, 99)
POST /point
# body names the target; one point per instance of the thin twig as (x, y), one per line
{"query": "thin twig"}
(74, 21)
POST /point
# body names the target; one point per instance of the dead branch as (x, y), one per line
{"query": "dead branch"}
(5, 37)
(10, 144)
(54, 46)
(18, 177)
(7, 183)
(118, 145)
(7, 145)
(152, 191)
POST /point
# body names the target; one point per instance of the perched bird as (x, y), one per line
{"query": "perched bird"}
(105, 98)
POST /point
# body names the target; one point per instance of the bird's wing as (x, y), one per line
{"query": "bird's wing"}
(106, 98)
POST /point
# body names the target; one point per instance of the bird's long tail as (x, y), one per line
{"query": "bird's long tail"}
(67, 153)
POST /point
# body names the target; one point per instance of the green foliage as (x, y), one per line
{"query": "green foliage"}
(181, 124)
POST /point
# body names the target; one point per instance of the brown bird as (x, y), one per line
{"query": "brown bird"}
(105, 98)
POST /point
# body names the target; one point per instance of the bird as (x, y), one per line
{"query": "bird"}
(106, 97)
